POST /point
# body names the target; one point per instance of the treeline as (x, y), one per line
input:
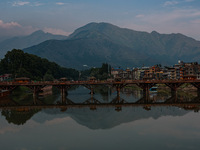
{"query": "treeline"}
(101, 73)
(21, 64)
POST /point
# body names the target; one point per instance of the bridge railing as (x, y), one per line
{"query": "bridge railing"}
(97, 82)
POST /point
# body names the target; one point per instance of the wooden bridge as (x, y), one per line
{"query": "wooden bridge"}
(145, 85)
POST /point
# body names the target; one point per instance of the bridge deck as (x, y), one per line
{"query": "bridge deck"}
(54, 83)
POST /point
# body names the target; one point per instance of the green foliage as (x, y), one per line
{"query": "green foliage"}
(48, 77)
(102, 73)
(21, 64)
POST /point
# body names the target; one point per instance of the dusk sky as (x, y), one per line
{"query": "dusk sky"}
(64, 16)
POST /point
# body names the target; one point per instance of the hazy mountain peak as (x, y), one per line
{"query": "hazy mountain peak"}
(27, 41)
(94, 25)
(42, 33)
(38, 32)
(154, 32)
(94, 28)
(104, 42)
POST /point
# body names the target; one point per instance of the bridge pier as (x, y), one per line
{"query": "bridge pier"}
(91, 88)
(146, 96)
(35, 92)
(92, 92)
(118, 87)
(198, 92)
(174, 87)
(197, 85)
(172, 99)
(145, 87)
(63, 93)
(118, 103)
(118, 91)
(36, 89)
(63, 90)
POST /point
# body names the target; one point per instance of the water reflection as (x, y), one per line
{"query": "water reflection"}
(104, 121)
(102, 111)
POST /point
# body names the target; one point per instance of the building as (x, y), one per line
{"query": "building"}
(180, 71)
(5, 77)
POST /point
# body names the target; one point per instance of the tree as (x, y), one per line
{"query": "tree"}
(48, 77)
(21, 64)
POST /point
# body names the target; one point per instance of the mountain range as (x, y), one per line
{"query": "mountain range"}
(97, 43)
(26, 41)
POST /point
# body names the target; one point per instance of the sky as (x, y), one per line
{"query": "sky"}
(22, 17)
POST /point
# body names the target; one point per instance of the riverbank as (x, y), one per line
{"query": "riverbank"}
(185, 87)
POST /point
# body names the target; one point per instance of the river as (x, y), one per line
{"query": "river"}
(103, 122)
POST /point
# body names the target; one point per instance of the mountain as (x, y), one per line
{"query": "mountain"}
(26, 41)
(96, 43)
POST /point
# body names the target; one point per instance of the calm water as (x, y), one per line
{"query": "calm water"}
(101, 127)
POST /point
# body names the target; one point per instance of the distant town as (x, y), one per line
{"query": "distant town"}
(180, 71)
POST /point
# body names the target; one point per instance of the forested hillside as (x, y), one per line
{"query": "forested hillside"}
(21, 64)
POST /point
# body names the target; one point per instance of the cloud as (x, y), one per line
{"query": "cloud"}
(172, 16)
(189, 0)
(20, 3)
(197, 21)
(23, 3)
(170, 3)
(60, 3)
(9, 25)
(36, 4)
(140, 16)
(173, 3)
(187, 13)
(185, 21)
(14, 29)
(56, 31)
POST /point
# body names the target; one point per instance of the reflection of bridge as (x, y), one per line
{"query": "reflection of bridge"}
(92, 103)
(65, 85)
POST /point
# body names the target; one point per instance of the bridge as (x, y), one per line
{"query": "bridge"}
(64, 86)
